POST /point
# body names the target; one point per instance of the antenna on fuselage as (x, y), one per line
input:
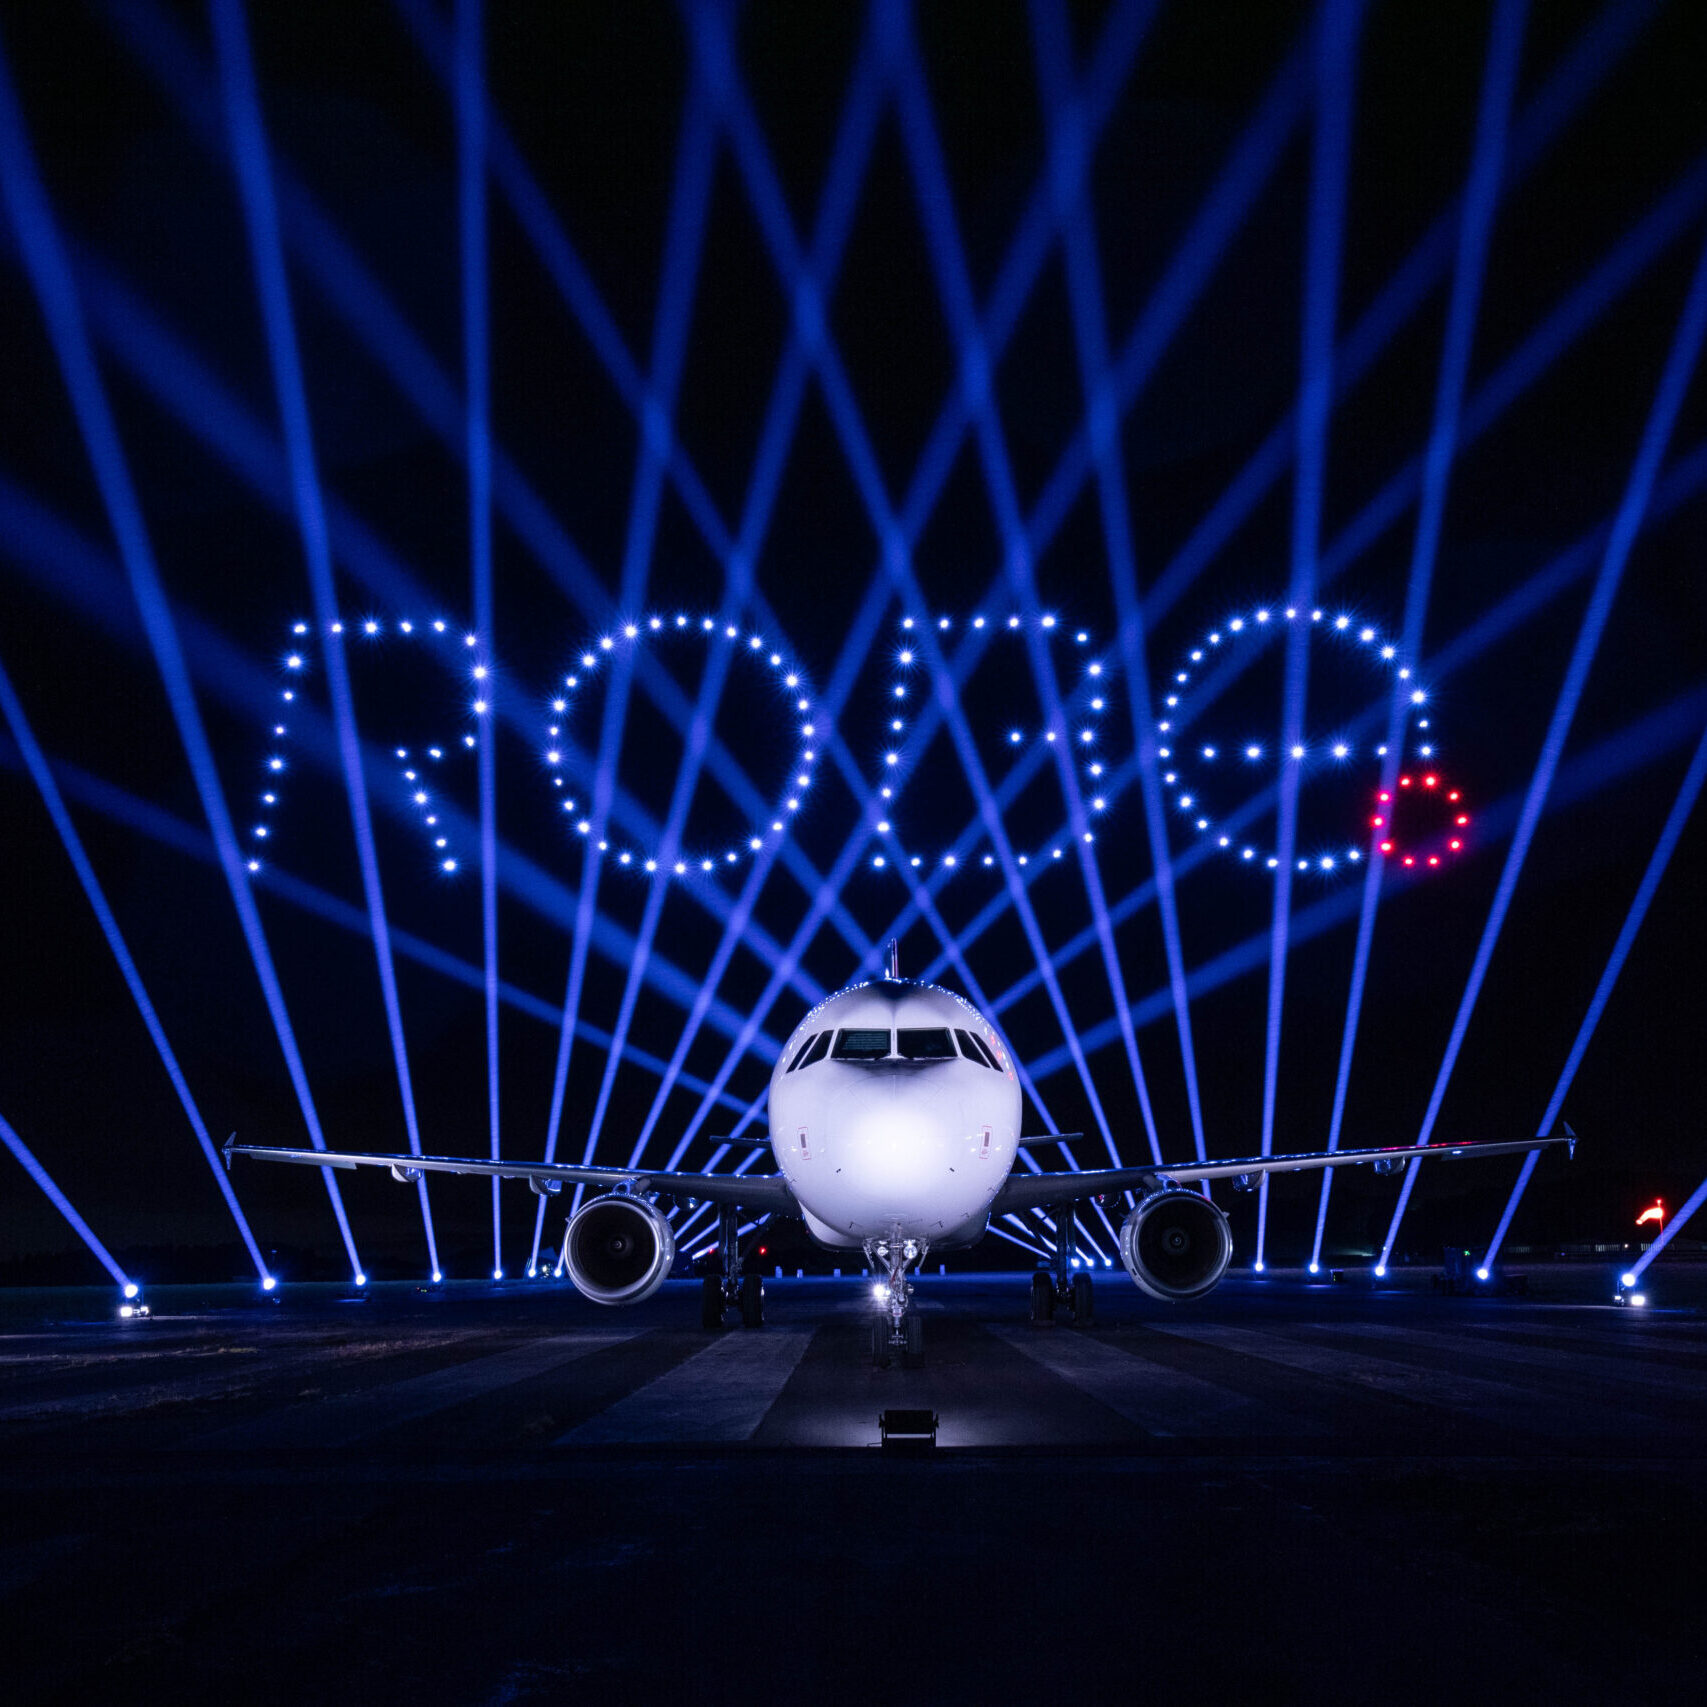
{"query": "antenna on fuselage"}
(892, 960)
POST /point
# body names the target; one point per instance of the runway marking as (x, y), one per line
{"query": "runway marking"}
(1498, 1402)
(718, 1395)
(340, 1421)
(1160, 1400)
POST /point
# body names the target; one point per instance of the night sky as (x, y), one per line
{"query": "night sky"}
(1128, 322)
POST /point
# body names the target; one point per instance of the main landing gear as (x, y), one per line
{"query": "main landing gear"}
(1062, 1290)
(730, 1290)
(897, 1329)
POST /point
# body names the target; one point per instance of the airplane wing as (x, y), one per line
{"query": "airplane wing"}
(751, 1191)
(1035, 1191)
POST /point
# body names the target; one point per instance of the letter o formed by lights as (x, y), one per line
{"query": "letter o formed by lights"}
(750, 657)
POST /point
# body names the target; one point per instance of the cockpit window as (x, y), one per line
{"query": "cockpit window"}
(820, 1048)
(856, 1045)
(800, 1054)
(925, 1044)
(969, 1049)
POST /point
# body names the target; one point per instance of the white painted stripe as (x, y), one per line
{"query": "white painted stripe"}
(718, 1395)
(1498, 1402)
(1160, 1400)
(338, 1422)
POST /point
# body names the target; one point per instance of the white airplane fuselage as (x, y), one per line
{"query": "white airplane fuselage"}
(887, 1120)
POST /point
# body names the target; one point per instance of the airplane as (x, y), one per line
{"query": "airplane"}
(895, 1128)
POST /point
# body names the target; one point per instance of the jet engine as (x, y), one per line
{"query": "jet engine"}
(618, 1250)
(1176, 1245)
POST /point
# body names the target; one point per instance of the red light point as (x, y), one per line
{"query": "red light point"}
(1433, 859)
(1404, 782)
(1462, 818)
(1375, 823)
(1409, 860)
(1386, 847)
(1430, 781)
(1453, 795)
(1455, 846)
(1383, 798)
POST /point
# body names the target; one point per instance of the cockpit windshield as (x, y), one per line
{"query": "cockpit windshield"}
(925, 1044)
(861, 1045)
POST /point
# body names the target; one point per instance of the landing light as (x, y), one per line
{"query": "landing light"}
(1380, 1271)
(268, 1282)
(1315, 1268)
(497, 1274)
(1257, 1266)
(361, 1280)
(880, 1292)
(1623, 1280)
(1481, 1274)
(437, 1276)
(1639, 1299)
(131, 1289)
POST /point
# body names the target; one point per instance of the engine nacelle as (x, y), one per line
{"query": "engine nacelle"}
(1176, 1245)
(618, 1249)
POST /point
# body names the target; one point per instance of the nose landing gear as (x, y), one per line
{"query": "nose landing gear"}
(897, 1330)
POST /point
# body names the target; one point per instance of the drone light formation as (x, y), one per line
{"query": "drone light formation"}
(943, 646)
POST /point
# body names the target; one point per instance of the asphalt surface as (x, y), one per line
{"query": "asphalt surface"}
(487, 1494)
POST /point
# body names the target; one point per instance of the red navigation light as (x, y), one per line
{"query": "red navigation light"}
(1430, 781)
(1404, 782)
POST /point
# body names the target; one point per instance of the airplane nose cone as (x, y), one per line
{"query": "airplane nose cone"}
(893, 1146)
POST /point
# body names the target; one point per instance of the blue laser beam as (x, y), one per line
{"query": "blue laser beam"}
(1481, 195)
(1632, 511)
(470, 111)
(1091, 335)
(1687, 795)
(690, 197)
(1336, 69)
(27, 1161)
(36, 763)
(249, 158)
(50, 276)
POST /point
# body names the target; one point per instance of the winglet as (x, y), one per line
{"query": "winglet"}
(1570, 1141)
(226, 1152)
(892, 960)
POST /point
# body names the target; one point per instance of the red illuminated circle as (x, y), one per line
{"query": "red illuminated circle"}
(1422, 821)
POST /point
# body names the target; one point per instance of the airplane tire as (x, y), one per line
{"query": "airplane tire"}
(880, 1342)
(1084, 1308)
(914, 1327)
(1042, 1300)
(711, 1303)
(752, 1301)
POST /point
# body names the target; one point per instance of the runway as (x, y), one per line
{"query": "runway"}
(489, 1493)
